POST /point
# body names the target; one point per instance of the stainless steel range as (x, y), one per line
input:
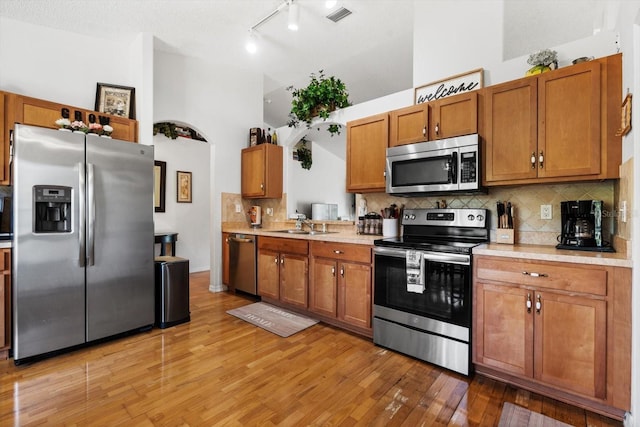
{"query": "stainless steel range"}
(422, 285)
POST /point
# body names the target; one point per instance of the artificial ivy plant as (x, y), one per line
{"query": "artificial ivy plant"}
(304, 154)
(166, 128)
(322, 96)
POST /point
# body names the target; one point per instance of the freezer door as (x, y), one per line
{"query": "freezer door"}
(48, 272)
(120, 239)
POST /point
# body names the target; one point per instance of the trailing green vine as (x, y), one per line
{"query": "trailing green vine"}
(322, 96)
(166, 128)
(304, 154)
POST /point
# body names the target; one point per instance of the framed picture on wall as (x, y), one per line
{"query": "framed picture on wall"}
(116, 100)
(184, 187)
(159, 185)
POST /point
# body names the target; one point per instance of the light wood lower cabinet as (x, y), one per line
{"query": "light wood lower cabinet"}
(328, 281)
(5, 303)
(283, 267)
(551, 327)
(340, 283)
(225, 259)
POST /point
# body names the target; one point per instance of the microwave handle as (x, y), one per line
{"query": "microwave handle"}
(454, 167)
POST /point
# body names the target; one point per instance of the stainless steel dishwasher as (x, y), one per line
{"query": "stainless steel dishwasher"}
(242, 263)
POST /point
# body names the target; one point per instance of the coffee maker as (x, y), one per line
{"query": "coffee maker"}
(582, 226)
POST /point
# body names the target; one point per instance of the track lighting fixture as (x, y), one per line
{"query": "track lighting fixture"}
(252, 42)
(292, 22)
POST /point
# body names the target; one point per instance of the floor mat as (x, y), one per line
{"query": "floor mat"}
(517, 416)
(273, 319)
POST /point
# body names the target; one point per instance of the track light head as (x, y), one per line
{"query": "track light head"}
(294, 13)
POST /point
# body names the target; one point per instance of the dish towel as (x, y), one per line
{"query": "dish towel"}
(414, 272)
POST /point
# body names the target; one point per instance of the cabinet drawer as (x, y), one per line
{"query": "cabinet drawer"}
(342, 251)
(290, 246)
(567, 277)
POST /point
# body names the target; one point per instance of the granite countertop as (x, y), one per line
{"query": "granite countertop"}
(550, 253)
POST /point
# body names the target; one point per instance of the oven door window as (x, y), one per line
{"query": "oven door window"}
(423, 171)
(446, 293)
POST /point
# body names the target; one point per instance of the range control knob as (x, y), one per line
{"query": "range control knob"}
(413, 216)
(471, 217)
(480, 218)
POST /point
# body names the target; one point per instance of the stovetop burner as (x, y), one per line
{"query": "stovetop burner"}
(441, 230)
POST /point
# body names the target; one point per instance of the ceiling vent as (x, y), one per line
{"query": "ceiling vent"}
(339, 14)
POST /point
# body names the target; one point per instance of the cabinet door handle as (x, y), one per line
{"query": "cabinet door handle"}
(533, 274)
(342, 271)
(533, 160)
(438, 128)
(282, 260)
(276, 259)
(538, 304)
(338, 252)
(528, 303)
(541, 159)
(333, 271)
(262, 186)
(424, 131)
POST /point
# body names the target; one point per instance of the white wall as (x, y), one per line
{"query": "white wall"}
(58, 65)
(222, 103)
(189, 220)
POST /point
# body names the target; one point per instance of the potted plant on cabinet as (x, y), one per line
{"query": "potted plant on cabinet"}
(322, 96)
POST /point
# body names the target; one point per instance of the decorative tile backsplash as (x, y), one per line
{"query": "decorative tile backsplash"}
(526, 199)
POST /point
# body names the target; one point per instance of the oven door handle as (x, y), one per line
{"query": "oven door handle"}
(398, 253)
(447, 258)
(426, 255)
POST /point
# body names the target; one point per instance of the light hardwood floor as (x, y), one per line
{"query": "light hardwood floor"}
(219, 370)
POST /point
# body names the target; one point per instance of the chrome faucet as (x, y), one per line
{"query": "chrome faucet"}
(300, 222)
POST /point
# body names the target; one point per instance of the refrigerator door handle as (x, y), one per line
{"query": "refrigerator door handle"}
(91, 213)
(82, 208)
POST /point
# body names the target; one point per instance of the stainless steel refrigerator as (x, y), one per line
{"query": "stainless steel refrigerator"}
(83, 239)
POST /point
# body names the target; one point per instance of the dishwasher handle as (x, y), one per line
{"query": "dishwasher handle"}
(241, 239)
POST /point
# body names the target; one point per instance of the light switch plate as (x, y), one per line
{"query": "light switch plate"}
(546, 212)
(238, 208)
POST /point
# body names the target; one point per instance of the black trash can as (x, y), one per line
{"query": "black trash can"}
(172, 291)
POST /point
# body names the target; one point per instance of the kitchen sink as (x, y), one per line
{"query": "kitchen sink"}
(298, 231)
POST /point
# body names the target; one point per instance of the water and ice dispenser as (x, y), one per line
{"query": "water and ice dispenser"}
(52, 209)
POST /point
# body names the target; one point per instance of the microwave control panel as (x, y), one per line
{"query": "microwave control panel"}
(468, 167)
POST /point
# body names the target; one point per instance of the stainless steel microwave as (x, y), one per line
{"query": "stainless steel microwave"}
(442, 166)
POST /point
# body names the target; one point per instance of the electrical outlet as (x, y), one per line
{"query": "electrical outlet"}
(623, 211)
(238, 208)
(270, 211)
(545, 212)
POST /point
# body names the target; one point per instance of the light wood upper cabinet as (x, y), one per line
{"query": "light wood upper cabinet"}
(262, 171)
(453, 116)
(408, 125)
(558, 126)
(38, 112)
(448, 117)
(367, 142)
(510, 130)
(552, 326)
(569, 121)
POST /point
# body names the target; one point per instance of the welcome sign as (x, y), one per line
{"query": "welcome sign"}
(454, 85)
